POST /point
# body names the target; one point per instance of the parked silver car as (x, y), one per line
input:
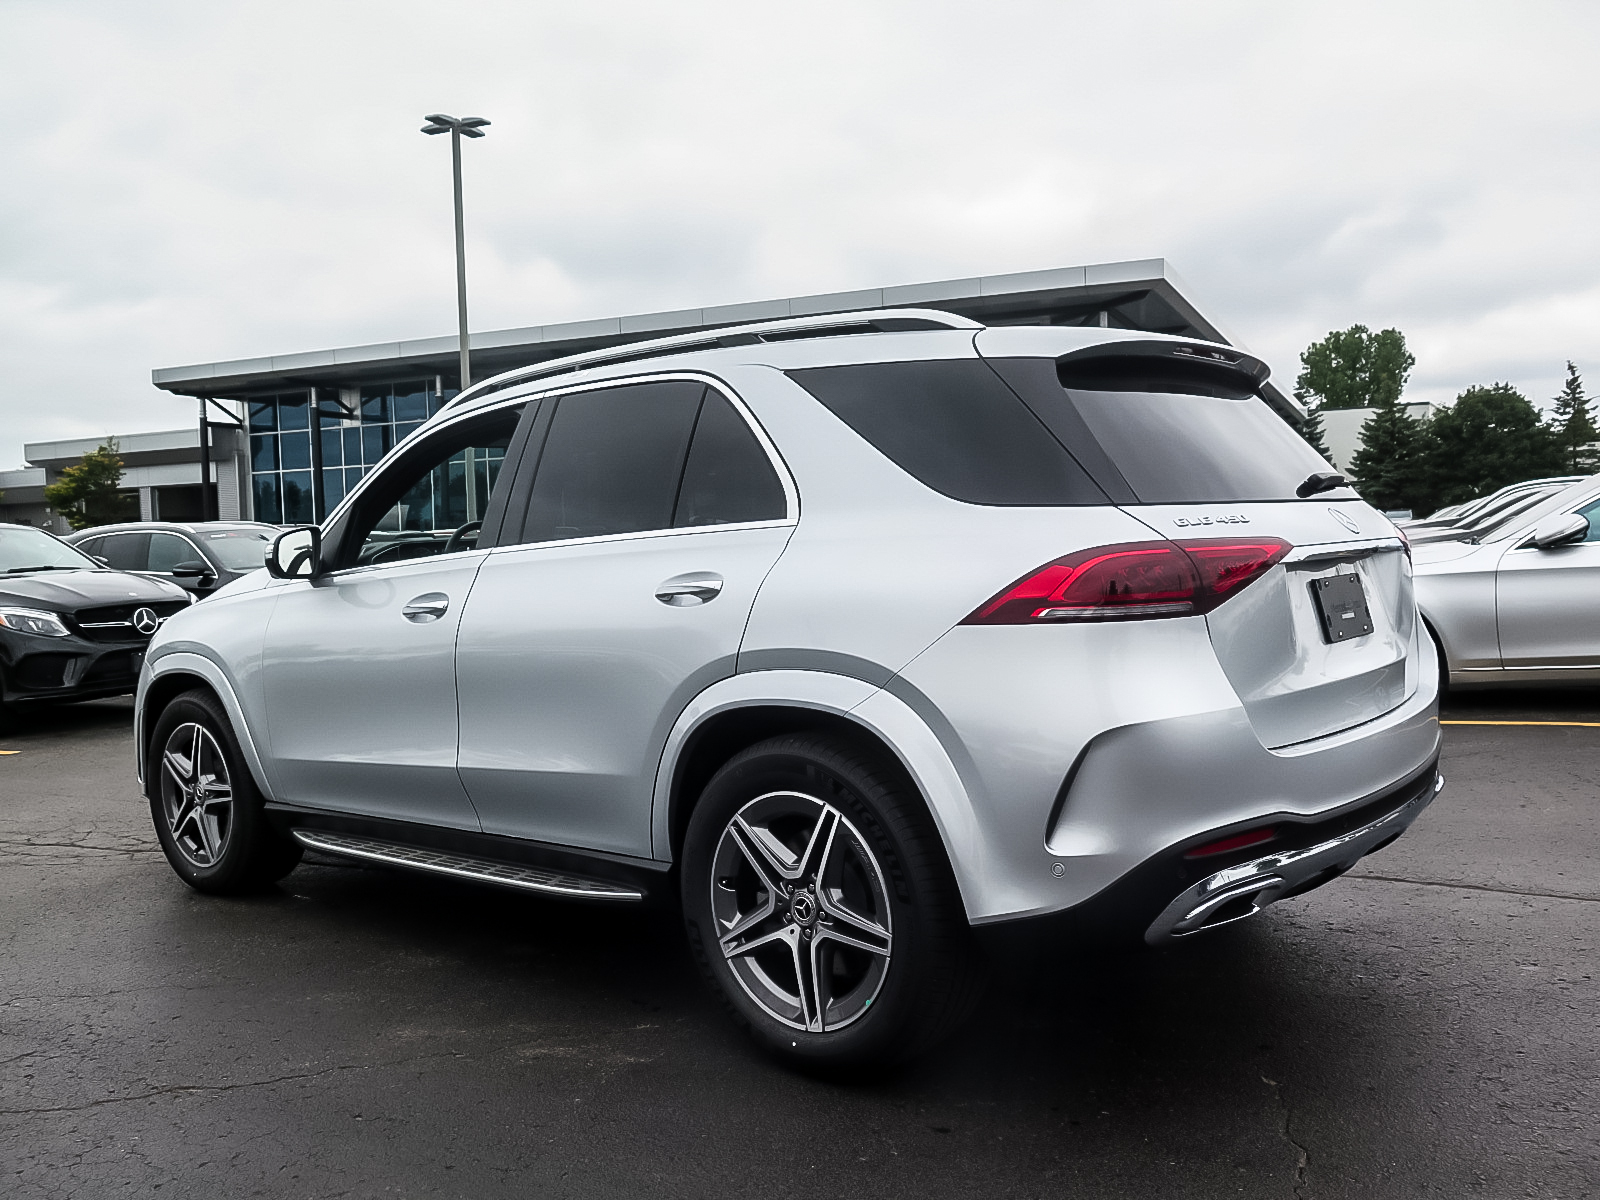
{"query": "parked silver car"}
(854, 634)
(1516, 604)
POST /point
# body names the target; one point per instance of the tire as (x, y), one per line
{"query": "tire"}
(222, 844)
(821, 906)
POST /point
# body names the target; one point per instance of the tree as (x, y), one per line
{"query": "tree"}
(1490, 437)
(1311, 430)
(86, 492)
(1388, 466)
(1573, 427)
(1354, 369)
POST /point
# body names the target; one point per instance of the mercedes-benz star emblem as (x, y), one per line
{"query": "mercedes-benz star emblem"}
(1344, 520)
(146, 621)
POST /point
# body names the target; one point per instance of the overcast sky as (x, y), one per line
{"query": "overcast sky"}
(185, 181)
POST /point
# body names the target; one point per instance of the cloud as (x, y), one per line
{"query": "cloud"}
(189, 182)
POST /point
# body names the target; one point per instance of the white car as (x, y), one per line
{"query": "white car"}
(1520, 604)
(850, 634)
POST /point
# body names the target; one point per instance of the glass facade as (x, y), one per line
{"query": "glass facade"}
(354, 429)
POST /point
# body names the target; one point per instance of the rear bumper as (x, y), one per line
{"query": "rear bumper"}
(1087, 753)
(1244, 889)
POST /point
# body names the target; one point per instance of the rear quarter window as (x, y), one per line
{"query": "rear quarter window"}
(956, 427)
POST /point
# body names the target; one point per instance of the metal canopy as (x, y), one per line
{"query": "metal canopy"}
(1144, 295)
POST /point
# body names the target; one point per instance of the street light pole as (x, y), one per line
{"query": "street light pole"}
(457, 127)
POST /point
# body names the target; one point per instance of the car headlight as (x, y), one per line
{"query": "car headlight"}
(32, 620)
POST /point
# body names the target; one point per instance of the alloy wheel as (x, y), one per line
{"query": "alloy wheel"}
(196, 794)
(802, 911)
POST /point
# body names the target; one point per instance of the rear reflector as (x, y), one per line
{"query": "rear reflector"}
(1135, 581)
(1238, 841)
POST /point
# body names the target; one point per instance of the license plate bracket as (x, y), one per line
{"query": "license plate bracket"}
(1342, 607)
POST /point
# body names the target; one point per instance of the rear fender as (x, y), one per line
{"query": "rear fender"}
(888, 718)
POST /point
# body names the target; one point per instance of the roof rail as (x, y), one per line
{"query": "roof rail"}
(783, 329)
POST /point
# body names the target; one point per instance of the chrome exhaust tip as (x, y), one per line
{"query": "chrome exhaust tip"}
(1242, 891)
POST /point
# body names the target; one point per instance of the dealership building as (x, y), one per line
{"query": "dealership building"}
(282, 439)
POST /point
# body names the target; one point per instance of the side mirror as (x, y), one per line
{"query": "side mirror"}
(193, 567)
(1560, 530)
(296, 554)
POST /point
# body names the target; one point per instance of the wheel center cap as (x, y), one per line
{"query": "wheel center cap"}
(803, 908)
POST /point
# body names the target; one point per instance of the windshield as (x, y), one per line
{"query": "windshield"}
(238, 549)
(23, 549)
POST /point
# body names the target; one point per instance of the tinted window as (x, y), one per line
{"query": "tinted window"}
(612, 461)
(1170, 447)
(238, 549)
(955, 426)
(126, 551)
(728, 477)
(167, 550)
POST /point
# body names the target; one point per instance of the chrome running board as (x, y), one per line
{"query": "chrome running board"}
(462, 866)
(1243, 891)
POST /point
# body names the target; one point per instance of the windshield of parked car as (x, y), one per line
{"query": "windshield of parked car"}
(238, 549)
(23, 550)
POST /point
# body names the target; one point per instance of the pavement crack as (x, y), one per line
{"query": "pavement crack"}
(1286, 1132)
(194, 1089)
(1478, 887)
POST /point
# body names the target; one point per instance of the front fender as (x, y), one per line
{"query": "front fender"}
(190, 663)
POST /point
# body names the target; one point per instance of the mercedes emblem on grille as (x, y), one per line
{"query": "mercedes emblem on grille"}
(146, 621)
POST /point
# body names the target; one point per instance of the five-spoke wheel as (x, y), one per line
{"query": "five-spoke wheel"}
(820, 902)
(196, 795)
(208, 814)
(802, 911)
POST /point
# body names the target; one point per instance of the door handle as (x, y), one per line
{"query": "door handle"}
(429, 606)
(697, 587)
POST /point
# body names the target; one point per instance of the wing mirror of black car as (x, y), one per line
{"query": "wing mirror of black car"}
(1560, 530)
(194, 567)
(296, 554)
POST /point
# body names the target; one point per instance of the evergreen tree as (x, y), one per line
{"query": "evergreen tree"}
(1355, 369)
(1312, 431)
(1388, 466)
(1490, 437)
(87, 493)
(1573, 427)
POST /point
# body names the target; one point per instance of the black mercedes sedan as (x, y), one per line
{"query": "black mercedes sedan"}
(71, 628)
(198, 556)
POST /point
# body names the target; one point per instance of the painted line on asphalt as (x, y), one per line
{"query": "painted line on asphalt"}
(1561, 724)
(10, 751)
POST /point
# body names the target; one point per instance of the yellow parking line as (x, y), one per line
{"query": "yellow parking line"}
(10, 751)
(1563, 724)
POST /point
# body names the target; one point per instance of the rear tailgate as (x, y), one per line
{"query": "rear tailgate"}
(1304, 668)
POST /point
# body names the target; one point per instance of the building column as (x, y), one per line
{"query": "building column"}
(147, 504)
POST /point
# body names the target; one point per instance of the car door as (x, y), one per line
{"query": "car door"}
(168, 550)
(125, 551)
(359, 665)
(655, 511)
(1547, 604)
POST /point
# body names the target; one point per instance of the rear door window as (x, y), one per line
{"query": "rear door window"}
(612, 461)
(126, 551)
(728, 478)
(956, 427)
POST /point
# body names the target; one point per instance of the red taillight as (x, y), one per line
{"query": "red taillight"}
(1137, 581)
(1239, 841)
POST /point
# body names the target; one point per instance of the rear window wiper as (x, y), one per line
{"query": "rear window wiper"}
(1318, 482)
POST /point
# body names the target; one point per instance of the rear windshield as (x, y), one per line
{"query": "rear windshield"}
(1170, 446)
(239, 549)
(956, 427)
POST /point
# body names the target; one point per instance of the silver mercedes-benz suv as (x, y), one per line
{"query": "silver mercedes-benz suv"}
(858, 635)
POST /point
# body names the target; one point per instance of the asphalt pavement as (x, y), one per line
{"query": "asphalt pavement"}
(1426, 1026)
